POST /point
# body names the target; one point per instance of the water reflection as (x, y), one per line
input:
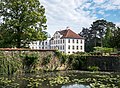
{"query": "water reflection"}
(76, 86)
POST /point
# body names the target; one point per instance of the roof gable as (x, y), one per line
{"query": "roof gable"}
(69, 34)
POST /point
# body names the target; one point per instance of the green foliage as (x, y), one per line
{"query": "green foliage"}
(95, 53)
(118, 53)
(98, 34)
(47, 59)
(58, 53)
(31, 59)
(23, 21)
(115, 39)
(103, 50)
(76, 61)
(62, 57)
(107, 37)
(9, 64)
(93, 68)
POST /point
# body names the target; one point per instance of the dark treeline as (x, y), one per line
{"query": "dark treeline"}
(101, 33)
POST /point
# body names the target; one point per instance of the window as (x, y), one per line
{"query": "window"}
(57, 47)
(63, 40)
(68, 46)
(42, 43)
(58, 41)
(69, 41)
(77, 40)
(73, 41)
(46, 43)
(39, 43)
(73, 47)
(81, 47)
(63, 47)
(81, 41)
(77, 47)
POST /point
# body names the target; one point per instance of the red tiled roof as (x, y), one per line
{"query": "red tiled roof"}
(69, 34)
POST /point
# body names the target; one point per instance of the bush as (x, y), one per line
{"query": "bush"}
(118, 53)
(76, 61)
(62, 57)
(82, 53)
(95, 53)
(31, 59)
(93, 68)
(103, 50)
(47, 59)
(9, 64)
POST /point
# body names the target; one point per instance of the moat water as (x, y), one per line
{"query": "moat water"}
(62, 79)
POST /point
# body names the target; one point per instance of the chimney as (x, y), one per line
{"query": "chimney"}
(67, 27)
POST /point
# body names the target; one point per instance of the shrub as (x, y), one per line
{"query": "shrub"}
(118, 53)
(62, 57)
(47, 59)
(93, 68)
(103, 50)
(9, 64)
(31, 59)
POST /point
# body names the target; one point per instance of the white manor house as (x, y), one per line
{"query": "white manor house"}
(65, 41)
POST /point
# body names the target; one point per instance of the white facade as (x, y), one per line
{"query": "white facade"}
(65, 41)
(57, 42)
(74, 45)
(67, 45)
(40, 44)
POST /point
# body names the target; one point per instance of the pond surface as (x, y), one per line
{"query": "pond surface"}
(62, 79)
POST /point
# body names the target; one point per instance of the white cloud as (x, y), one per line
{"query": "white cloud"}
(110, 5)
(118, 24)
(64, 14)
(99, 1)
(75, 13)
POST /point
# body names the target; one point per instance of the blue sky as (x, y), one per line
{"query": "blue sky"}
(79, 13)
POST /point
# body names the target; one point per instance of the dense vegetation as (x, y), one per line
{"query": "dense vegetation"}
(22, 21)
(12, 62)
(101, 34)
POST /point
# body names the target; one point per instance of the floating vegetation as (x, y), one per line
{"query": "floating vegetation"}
(59, 79)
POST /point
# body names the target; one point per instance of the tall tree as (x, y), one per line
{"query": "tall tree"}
(99, 29)
(115, 39)
(97, 34)
(22, 21)
(85, 33)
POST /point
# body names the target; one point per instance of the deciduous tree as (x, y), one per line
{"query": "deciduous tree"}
(22, 21)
